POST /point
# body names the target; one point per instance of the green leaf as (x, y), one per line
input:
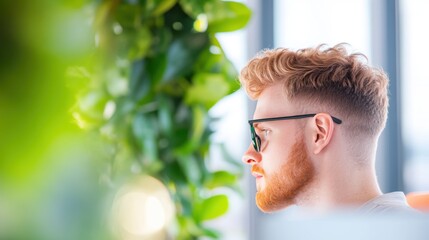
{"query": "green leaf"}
(134, 43)
(161, 6)
(193, 7)
(221, 179)
(165, 115)
(89, 110)
(219, 63)
(198, 124)
(222, 16)
(93, 103)
(140, 42)
(127, 14)
(173, 172)
(124, 106)
(162, 40)
(116, 83)
(191, 168)
(211, 233)
(226, 16)
(145, 76)
(210, 62)
(188, 227)
(231, 74)
(213, 207)
(155, 68)
(182, 55)
(140, 83)
(145, 130)
(207, 90)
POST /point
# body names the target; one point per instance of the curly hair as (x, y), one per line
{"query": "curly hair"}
(331, 77)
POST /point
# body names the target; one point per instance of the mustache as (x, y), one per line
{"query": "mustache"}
(258, 169)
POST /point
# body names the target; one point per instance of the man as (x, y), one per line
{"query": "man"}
(319, 115)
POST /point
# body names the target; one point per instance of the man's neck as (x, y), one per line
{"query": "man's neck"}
(344, 187)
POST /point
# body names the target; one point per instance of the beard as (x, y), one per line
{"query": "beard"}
(282, 187)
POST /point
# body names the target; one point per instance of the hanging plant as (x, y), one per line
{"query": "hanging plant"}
(159, 70)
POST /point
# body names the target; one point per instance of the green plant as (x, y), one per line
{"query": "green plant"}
(159, 70)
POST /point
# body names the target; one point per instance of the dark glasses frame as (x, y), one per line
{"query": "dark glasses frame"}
(256, 140)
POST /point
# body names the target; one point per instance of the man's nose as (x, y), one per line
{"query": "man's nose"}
(251, 156)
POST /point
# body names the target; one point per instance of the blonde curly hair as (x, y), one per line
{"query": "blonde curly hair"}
(329, 77)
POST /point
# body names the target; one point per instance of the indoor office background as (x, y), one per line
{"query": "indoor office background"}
(51, 172)
(392, 34)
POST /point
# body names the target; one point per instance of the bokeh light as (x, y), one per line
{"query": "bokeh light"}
(142, 209)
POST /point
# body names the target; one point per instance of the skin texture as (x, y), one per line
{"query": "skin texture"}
(310, 162)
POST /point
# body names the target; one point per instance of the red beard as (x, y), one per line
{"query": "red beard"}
(283, 186)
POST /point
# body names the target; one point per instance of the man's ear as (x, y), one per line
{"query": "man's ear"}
(322, 131)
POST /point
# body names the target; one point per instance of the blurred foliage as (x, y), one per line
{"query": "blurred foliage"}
(141, 91)
(48, 167)
(159, 69)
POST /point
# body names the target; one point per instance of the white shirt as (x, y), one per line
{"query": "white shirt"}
(394, 202)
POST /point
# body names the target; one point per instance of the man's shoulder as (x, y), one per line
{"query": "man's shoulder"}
(389, 203)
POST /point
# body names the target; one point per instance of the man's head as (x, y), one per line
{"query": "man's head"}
(347, 101)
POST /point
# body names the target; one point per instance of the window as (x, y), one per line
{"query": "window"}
(415, 84)
(308, 23)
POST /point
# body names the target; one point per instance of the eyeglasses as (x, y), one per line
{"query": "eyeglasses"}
(256, 140)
